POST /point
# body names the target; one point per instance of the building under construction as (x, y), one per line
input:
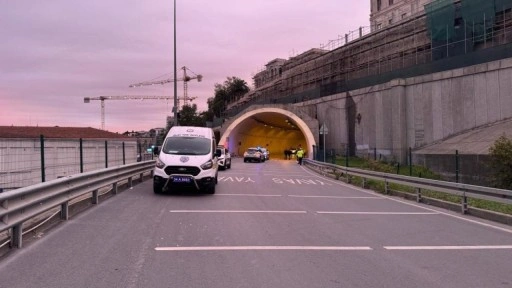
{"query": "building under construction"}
(418, 38)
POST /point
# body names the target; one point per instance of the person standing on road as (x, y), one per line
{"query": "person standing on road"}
(300, 155)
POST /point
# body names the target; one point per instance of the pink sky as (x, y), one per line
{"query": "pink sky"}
(55, 53)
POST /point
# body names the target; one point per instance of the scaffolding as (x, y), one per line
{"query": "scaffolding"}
(445, 30)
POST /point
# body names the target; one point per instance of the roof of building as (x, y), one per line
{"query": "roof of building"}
(58, 132)
(277, 60)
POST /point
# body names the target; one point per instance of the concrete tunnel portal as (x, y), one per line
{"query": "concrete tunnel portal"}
(272, 128)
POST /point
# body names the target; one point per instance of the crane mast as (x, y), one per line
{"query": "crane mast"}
(126, 97)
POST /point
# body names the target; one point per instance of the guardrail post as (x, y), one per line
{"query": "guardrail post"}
(418, 195)
(386, 187)
(17, 235)
(124, 155)
(363, 185)
(130, 184)
(5, 205)
(95, 197)
(141, 177)
(464, 203)
(64, 211)
(114, 188)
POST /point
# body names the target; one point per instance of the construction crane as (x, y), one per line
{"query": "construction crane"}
(186, 78)
(131, 97)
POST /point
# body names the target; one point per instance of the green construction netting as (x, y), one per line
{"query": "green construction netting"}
(502, 5)
(478, 16)
(440, 19)
(478, 10)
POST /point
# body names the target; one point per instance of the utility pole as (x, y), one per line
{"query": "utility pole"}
(175, 108)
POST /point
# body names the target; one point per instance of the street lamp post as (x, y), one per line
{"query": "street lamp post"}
(175, 108)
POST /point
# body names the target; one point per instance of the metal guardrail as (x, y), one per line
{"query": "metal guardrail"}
(20, 205)
(458, 189)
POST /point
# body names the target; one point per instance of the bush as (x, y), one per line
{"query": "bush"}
(501, 162)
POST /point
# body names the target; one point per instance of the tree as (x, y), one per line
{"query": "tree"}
(189, 116)
(236, 88)
(232, 90)
(501, 162)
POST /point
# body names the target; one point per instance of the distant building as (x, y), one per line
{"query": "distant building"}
(273, 70)
(22, 161)
(387, 12)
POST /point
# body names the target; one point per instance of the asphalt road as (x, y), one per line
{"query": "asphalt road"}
(272, 224)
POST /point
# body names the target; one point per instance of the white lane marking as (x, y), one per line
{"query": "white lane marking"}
(484, 247)
(267, 173)
(237, 211)
(235, 179)
(296, 181)
(283, 174)
(337, 197)
(251, 195)
(411, 204)
(378, 213)
(228, 248)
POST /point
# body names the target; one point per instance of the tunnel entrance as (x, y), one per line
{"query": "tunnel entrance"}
(272, 128)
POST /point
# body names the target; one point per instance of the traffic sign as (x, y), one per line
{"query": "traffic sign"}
(323, 129)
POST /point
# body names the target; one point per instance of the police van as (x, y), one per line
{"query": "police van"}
(187, 158)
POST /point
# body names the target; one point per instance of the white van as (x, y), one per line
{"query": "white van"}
(188, 158)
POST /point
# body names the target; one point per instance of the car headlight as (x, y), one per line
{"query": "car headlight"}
(159, 164)
(207, 165)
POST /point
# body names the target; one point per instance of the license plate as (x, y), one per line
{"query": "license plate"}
(181, 179)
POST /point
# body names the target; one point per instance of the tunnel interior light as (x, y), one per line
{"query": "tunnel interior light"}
(272, 124)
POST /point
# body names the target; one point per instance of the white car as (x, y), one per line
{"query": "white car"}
(253, 154)
(224, 158)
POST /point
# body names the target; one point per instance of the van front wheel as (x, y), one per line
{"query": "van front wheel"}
(210, 189)
(157, 187)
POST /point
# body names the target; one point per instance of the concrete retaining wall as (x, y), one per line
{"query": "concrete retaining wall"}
(419, 111)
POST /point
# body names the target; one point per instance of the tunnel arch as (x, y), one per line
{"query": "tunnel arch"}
(232, 135)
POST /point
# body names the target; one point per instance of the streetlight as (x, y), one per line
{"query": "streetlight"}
(175, 108)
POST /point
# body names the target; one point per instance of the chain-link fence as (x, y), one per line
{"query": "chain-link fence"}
(25, 162)
(455, 167)
(458, 167)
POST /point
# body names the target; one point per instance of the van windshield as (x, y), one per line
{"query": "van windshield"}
(187, 146)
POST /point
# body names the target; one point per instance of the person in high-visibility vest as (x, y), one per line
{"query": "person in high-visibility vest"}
(300, 155)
